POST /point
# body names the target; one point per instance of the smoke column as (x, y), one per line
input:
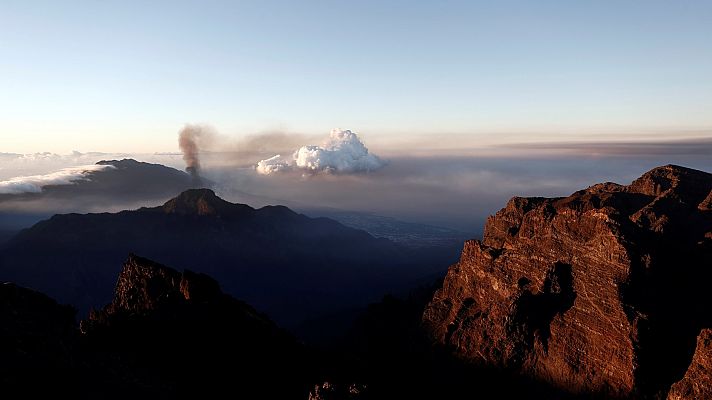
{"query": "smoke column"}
(188, 141)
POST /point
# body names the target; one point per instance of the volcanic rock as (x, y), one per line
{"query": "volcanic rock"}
(602, 292)
(697, 383)
(332, 391)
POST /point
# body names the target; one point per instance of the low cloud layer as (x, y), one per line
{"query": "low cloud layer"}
(35, 183)
(342, 153)
(455, 191)
(19, 165)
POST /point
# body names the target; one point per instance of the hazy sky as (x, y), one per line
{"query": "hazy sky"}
(126, 75)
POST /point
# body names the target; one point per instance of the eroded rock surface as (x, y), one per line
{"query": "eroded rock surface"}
(697, 383)
(602, 292)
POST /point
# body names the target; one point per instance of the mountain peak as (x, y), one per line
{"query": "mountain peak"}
(196, 202)
(596, 268)
(124, 161)
(144, 285)
(685, 182)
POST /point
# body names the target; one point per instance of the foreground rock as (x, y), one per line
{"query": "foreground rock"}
(178, 334)
(37, 338)
(166, 334)
(602, 292)
(697, 383)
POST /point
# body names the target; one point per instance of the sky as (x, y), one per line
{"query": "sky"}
(125, 76)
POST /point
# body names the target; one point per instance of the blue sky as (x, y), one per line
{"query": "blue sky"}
(126, 75)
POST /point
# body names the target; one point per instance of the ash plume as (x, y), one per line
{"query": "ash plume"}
(190, 139)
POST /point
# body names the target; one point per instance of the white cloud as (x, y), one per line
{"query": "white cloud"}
(35, 183)
(12, 165)
(343, 152)
(272, 165)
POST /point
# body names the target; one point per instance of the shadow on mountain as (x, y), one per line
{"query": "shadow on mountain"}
(170, 334)
(288, 265)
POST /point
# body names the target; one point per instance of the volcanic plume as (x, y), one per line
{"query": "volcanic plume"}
(189, 140)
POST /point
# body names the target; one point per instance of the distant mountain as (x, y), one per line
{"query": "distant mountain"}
(286, 264)
(126, 184)
(401, 232)
(144, 180)
(6, 234)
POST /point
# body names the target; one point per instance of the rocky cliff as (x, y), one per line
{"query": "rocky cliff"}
(697, 383)
(601, 292)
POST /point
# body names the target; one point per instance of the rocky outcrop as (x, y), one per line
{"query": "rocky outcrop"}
(332, 391)
(697, 383)
(601, 292)
(178, 334)
(144, 286)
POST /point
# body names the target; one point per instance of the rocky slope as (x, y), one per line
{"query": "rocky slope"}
(602, 292)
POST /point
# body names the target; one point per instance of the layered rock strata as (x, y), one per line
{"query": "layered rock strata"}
(601, 292)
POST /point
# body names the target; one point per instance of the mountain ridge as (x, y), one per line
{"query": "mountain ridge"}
(598, 292)
(318, 261)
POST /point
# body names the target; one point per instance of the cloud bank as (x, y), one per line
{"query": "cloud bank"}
(35, 183)
(342, 153)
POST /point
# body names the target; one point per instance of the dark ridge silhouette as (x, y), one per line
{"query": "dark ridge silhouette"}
(168, 334)
(126, 185)
(288, 265)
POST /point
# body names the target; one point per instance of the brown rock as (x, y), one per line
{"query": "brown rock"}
(697, 383)
(144, 285)
(336, 391)
(599, 292)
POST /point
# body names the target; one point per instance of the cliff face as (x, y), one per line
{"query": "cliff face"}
(697, 383)
(599, 292)
(144, 285)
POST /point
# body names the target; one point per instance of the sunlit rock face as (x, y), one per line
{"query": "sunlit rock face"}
(602, 292)
(697, 383)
